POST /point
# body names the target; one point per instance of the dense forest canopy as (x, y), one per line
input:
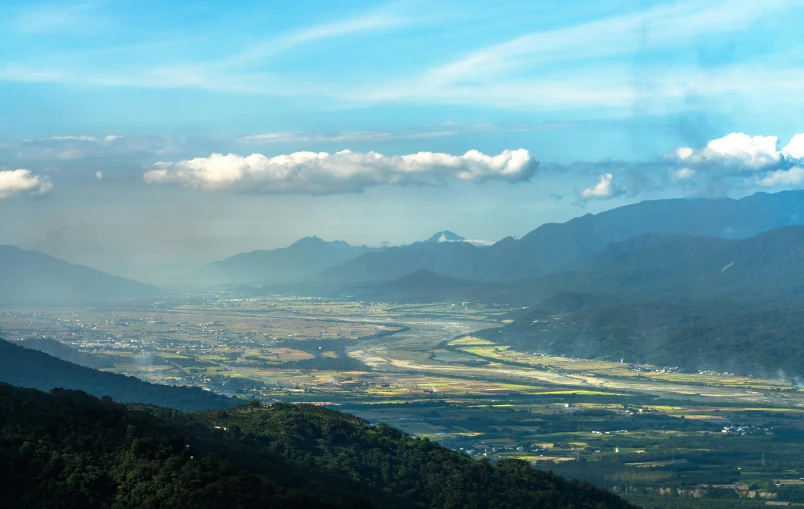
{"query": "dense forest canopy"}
(68, 449)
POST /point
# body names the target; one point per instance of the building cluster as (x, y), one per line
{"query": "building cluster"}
(648, 368)
(486, 452)
(744, 429)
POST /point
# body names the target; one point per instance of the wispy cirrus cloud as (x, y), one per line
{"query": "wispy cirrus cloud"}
(240, 71)
(666, 25)
(428, 132)
(364, 23)
(582, 65)
(342, 172)
(55, 18)
(370, 136)
(78, 138)
(514, 73)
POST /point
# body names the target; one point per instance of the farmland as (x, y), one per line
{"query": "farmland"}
(664, 437)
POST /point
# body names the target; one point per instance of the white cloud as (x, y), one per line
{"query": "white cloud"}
(346, 171)
(682, 174)
(794, 177)
(603, 190)
(99, 175)
(742, 152)
(684, 153)
(794, 149)
(740, 159)
(22, 181)
(735, 150)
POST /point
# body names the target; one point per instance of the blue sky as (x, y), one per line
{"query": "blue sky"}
(487, 118)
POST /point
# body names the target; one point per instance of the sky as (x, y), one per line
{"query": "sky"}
(139, 136)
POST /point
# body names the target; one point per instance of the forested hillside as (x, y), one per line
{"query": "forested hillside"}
(746, 338)
(31, 368)
(67, 449)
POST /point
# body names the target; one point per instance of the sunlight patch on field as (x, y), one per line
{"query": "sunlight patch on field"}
(469, 341)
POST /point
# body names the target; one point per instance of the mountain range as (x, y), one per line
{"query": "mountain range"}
(574, 255)
(552, 247)
(31, 277)
(765, 265)
(300, 261)
(445, 236)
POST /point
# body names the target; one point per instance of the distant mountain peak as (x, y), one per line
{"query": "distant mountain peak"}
(446, 236)
(315, 240)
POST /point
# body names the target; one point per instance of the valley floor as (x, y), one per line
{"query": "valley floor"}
(664, 437)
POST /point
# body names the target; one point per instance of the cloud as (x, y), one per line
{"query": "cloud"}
(736, 150)
(429, 132)
(546, 69)
(603, 190)
(794, 177)
(21, 181)
(794, 149)
(82, 137)
(549, 69)
(368, 23)
(342, 172)
(682, 174)
(446, 129)
(481, 242)
(670, 25)
(51, 18)
(85, 146)
(99, 175)
(739, 158)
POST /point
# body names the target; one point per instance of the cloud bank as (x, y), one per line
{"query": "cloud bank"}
(734, 160)
(14, 182)
(756, 159)
(321, 173)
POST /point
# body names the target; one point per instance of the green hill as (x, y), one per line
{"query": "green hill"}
(68, 450)
(746, 338)
(31, 368)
